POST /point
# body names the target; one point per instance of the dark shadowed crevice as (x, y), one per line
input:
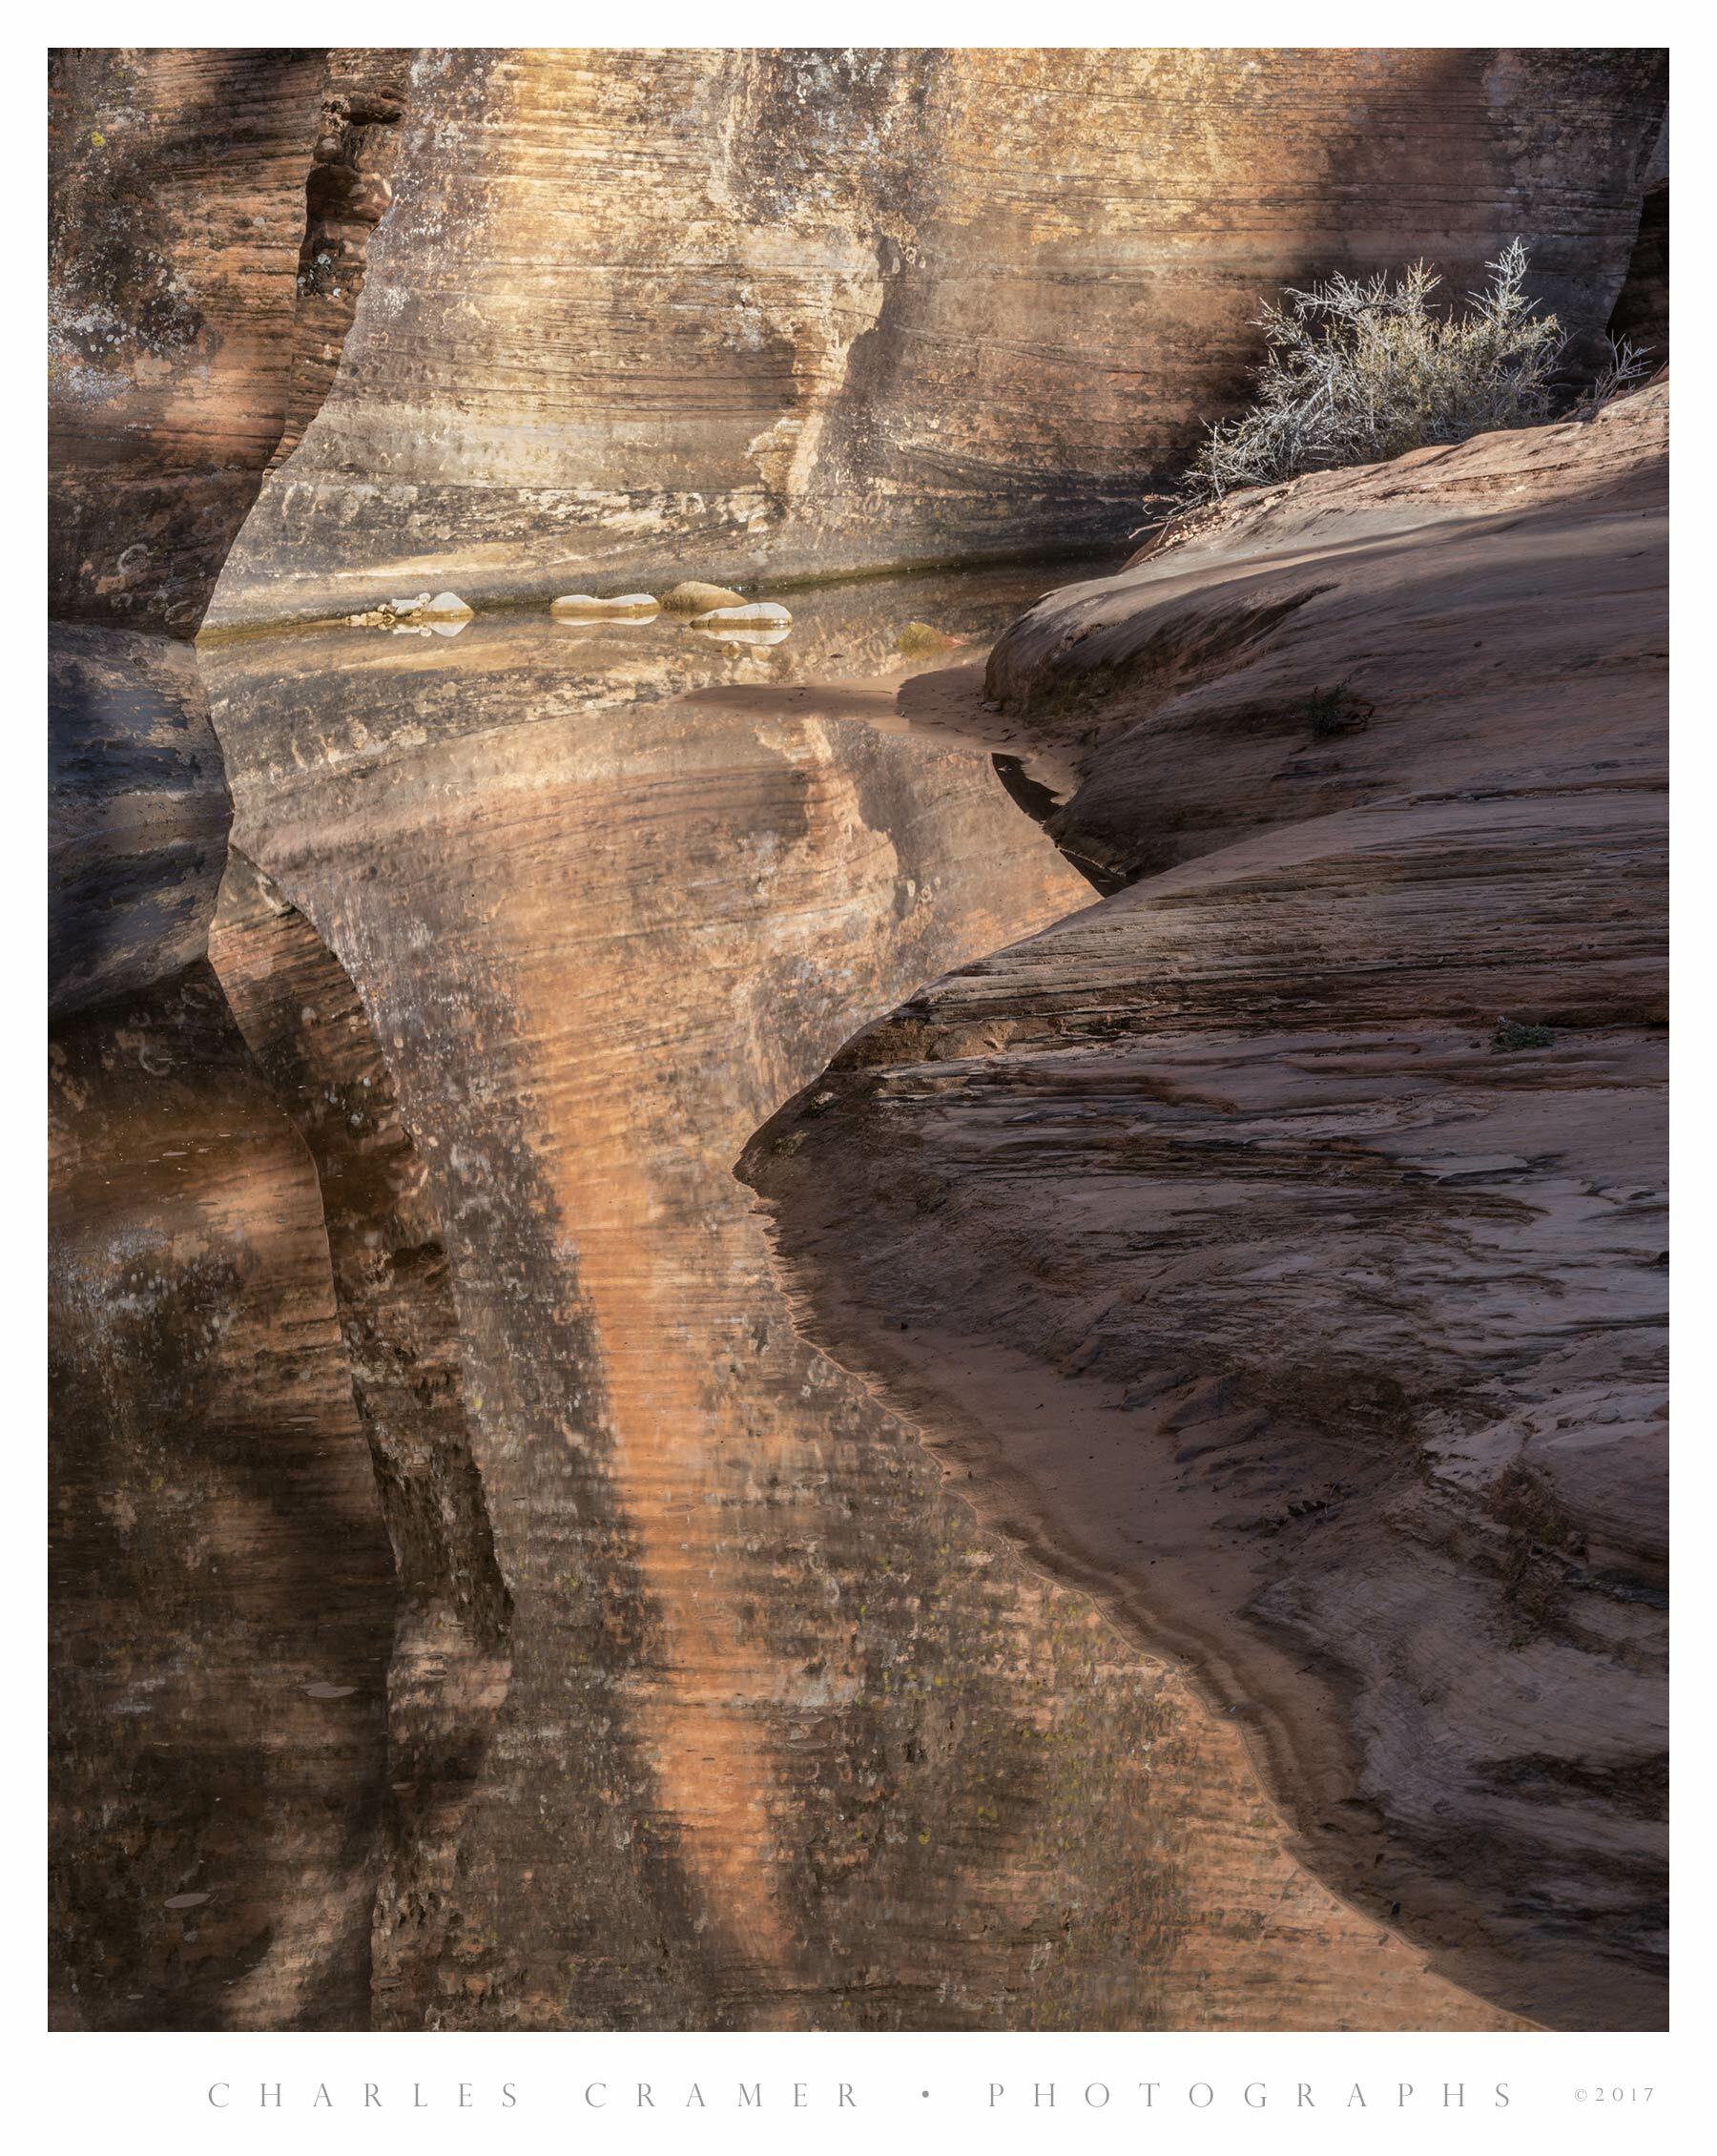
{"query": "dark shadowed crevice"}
(1641, 310)
(347, 192)
(1035, 800)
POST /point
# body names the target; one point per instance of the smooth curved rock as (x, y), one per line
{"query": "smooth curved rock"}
(700, 598)
(475, 1605)
(631, 605)
(1279, 1244)
(811, 311)
(777, 1737)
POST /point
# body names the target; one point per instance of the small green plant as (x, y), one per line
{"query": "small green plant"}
(1361, 370)
(1511, 1036)
(1329, 712)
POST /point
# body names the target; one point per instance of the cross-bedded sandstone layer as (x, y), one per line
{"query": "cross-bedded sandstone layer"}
(1278, 1245)
(797, 312)
(421, 1441)
(185, 190)
(769, 1733)
(224, 1594)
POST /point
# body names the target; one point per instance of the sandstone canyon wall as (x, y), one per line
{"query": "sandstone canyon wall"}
(224, 1588)
(793, 313)
(762, 1730)
(1279, 1245)
(475, 1605)
(176, 224)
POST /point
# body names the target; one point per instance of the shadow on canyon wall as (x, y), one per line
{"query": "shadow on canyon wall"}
(339, 1380)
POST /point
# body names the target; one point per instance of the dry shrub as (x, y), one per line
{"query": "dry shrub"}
(1360, 371)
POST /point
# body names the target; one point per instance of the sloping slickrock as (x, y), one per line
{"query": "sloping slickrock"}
(1253, 1271)
(768, 1733)
(711, 312)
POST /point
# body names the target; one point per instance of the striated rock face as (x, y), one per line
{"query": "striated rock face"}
(1279, 1246)
(184, 322)
(709, 1705)
(224, 1595)
(476, 1602)
(205, 251)
(347, 191)
(137, 813)
(221, 1584)
(176, 194)
(400, 1326)
(797, 312)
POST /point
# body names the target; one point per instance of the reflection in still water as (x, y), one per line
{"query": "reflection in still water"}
(710, 1705)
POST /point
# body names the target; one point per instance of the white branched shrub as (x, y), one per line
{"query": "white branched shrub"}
(1357, 372)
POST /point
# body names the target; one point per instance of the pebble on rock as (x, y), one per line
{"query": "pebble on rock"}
(403, 616)
(634, 606)
(700, 598)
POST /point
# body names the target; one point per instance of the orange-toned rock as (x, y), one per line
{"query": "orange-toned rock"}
(476, 1605)
(177, 213)
(772, 1733)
